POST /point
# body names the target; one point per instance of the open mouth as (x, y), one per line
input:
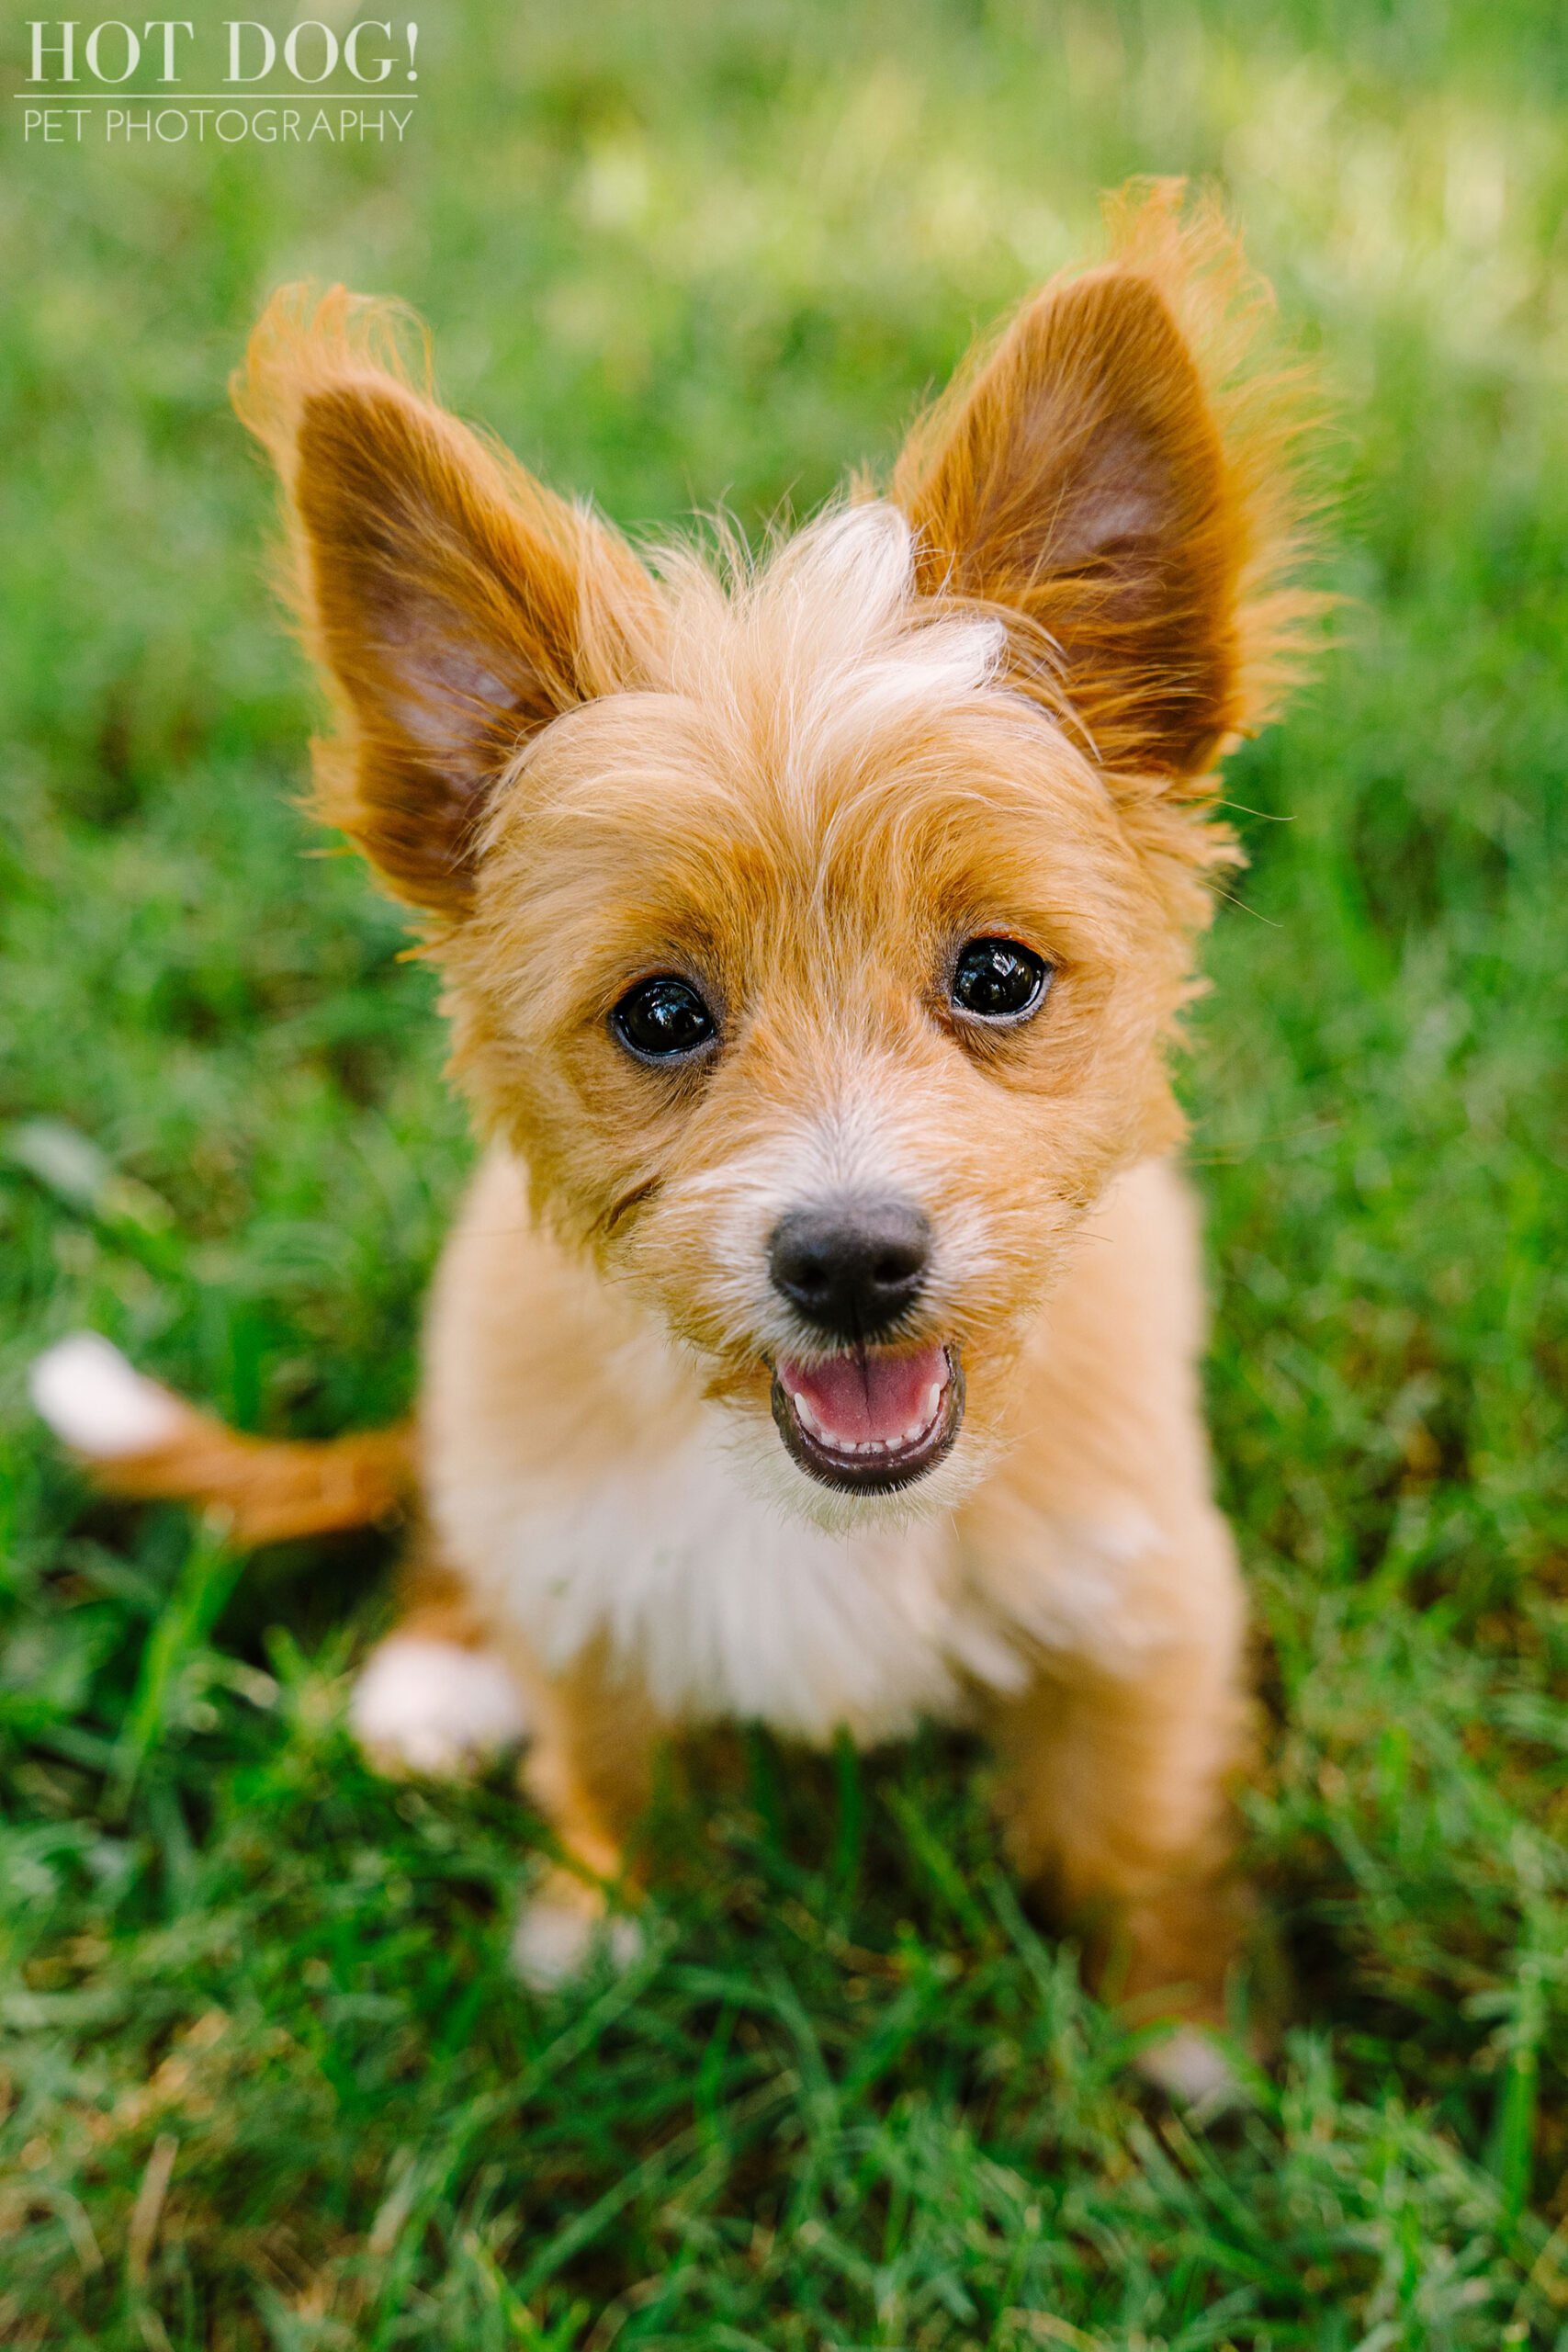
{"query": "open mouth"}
(868, 1422)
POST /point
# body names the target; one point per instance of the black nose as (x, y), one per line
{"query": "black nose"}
(851, 1270)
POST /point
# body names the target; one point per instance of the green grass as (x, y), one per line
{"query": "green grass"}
(851, 2097)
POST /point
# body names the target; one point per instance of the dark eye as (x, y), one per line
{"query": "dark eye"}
(996, 980)
(662, 1018)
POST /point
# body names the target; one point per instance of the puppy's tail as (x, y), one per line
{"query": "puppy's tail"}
(141, 1440)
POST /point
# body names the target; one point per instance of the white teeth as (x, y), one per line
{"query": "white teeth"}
(810, 1419)
(805, 1415)
(837, 1444)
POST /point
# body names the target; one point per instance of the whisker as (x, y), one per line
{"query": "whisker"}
(1267, 920)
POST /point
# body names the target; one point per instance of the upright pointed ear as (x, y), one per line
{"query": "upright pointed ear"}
(453, 605)
(1111, 479)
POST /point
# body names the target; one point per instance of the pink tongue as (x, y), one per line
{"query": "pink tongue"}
(857, 1397)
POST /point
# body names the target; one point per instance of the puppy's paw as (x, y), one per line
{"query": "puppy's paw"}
(1190, 2068)
(434, 1708)
(565, 1929)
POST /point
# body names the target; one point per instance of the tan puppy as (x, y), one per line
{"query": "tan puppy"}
(817, 1345)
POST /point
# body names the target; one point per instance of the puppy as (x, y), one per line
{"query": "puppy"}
(817, 1345)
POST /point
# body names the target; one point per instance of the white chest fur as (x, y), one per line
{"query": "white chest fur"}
(725, 1606)
(578, 1480)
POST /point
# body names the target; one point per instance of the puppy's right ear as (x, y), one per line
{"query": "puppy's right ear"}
(453, 606)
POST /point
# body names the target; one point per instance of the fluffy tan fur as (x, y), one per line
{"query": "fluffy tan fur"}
(268, 1492)
(987, 705)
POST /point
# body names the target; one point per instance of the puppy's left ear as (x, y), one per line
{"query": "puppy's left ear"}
(1115, 480)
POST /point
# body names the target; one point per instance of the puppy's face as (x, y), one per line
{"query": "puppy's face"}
(813, 931)
(820, 987)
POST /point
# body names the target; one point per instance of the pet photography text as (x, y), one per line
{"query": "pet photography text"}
(109, 83)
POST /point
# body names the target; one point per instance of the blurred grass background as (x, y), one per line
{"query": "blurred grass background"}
(265, 2080)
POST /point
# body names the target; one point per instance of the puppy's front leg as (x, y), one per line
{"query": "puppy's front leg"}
(1114, 1802)
(435, 1698)
(589, 1772)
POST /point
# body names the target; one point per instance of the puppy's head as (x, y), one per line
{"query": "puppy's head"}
(815, 927)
